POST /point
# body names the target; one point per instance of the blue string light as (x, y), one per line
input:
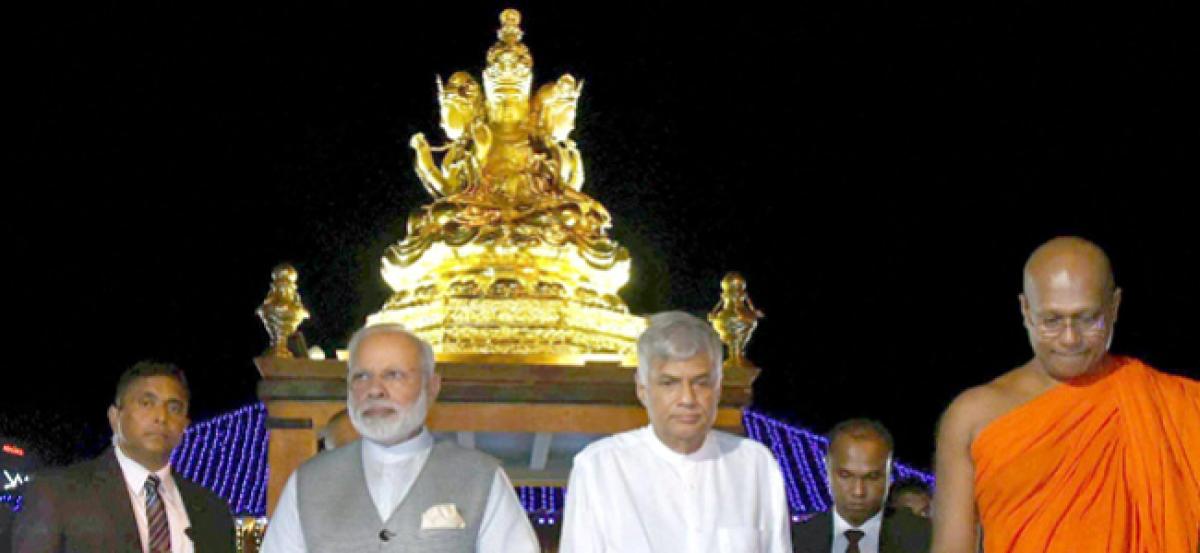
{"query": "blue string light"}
(793, 491)
(238, 486)
(14, 501)
(228, 454)
(815, 498)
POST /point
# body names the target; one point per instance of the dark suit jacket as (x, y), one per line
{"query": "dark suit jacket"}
(902, 532)
(85, 507)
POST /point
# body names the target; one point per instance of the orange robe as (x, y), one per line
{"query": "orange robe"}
(1110, 465)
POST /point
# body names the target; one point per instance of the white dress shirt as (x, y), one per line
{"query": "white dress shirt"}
(135, 482)
(630, 493)
(390, 472)
(870, 529)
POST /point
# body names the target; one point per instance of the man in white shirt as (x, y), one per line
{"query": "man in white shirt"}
(127, 499)
(676, 485)
(395, 489)
(859, 467)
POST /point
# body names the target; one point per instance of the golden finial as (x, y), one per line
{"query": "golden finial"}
(282, 311)
(509, 69)
(735, 319)
(510, 26)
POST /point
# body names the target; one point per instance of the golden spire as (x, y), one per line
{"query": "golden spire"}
(282, 311)
(510, 255)
(735, 319)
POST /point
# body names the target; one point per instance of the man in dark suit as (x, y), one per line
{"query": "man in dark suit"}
(859, 466)
(913, 495)
(127, 499)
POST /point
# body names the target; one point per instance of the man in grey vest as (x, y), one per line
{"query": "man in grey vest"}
(395, 489)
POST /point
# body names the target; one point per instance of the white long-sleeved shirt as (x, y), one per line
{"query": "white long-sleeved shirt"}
(631, 493)
(177, 518)
(390, 472)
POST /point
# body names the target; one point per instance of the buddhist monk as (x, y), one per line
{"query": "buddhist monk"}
(1078, 449)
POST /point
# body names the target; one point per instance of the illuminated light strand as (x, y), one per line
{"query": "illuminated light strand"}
(254, 499)
(814, 493)
(211, 441)
(228, 454)
(793, 491)
(201, 450)
(238, 484)
(190, 455)
(234, 461)
(219, 452)
(14, 501)
(248, 501)
(815, 497)
(795, 502)
(230, 459)
(815, 464)
(798, 459)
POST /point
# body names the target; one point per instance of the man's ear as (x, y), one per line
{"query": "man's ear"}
(640, 390)
(114, 419)
(1116, 305)
(435, 386)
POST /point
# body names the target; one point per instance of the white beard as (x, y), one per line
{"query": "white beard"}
(391, 429)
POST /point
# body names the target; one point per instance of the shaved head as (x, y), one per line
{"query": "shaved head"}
(1066, 258)
(1069, 304)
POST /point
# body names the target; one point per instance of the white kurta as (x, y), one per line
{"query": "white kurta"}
(390, 472)
(630, 493)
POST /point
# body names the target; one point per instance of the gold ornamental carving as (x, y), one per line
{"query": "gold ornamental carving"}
(282, 311)
(510, 256)
(735, 319)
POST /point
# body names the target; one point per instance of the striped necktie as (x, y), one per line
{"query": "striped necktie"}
(158, 532)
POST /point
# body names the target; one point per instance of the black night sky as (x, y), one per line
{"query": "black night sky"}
(878, 174)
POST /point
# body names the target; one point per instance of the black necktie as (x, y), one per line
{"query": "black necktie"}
(853, 536)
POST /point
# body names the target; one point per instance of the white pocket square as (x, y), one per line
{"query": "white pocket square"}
(442, 517)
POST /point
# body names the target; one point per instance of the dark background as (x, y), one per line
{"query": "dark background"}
(877, 172)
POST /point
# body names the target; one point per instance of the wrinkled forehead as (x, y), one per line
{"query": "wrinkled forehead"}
(696, 365)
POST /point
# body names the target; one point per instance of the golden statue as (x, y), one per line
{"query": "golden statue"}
(510, 256)
(554, 117)
(735, 319)
(282, 311)
(462, 120)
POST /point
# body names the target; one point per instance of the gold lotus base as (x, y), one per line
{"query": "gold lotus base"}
(543, 327)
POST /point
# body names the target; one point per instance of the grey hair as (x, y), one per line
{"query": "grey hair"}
(423, 347)
(677, 336)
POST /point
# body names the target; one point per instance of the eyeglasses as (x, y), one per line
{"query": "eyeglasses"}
(1052, 325)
